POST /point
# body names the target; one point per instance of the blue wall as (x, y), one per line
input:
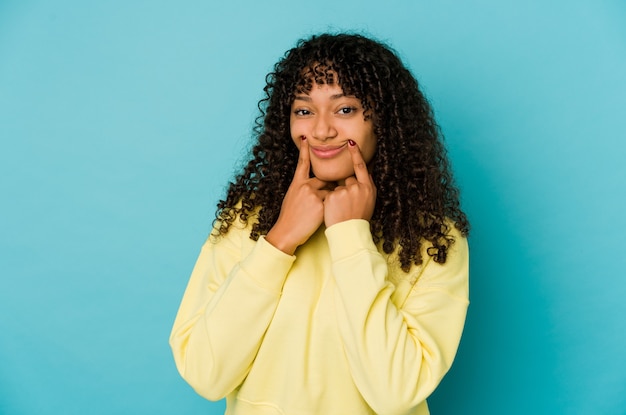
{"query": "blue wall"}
(121, 122)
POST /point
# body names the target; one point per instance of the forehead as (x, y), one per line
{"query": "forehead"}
(317, 74)
(322, 92)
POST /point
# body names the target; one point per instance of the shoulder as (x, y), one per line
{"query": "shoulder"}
(457, 256)
(231, 222)
(452, 275)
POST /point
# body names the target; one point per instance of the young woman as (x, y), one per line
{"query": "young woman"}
(335, 280)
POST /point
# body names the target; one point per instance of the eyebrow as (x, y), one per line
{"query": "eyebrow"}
(332, 97)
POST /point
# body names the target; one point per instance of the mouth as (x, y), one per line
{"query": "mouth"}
(326, 152)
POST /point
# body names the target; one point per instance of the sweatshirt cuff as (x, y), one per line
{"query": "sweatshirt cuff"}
(348, 238)
(267, 265)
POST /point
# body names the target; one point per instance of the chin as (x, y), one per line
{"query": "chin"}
(332, 176)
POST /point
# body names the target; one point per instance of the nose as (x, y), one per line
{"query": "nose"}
(323, 128)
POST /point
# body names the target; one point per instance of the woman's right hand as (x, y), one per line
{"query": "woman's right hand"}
(302, 211)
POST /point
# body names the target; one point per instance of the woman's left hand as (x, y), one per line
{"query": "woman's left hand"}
(356, 198)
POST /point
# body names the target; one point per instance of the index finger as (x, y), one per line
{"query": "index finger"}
(304, 161)
(360, 168)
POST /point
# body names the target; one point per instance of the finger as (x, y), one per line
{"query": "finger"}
(316, 183)
(304, 161)
(322, 194)
(351, 180)
(360, 168)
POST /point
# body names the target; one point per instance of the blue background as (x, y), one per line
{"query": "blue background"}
(121, 123)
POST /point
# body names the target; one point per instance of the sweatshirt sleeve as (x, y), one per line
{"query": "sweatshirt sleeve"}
(228, 304)
(397, 354)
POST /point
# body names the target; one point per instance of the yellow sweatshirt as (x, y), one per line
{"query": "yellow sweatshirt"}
(336, 329)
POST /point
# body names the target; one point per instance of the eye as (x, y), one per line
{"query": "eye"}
(302, 112)
(346, 110)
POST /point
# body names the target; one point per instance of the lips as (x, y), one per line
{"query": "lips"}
(326, 152)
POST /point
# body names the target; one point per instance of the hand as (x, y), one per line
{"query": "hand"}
(354, 200)
(302, 211)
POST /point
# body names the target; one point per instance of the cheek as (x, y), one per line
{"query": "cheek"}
(369, 142)
(296, 126)
(296, 141)
(296, 134)
(369, 149)
(369, 156)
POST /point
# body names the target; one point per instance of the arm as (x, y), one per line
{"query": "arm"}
(226, 309)
(398, 354)
(229, 303)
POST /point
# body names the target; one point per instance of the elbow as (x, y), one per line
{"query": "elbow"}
(401, 403)
(197, 369)
(204, 381)
(207, 392)
(404, 394)
(397, 408)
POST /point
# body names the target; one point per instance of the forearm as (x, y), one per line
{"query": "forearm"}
(397, 353)
(220, 324)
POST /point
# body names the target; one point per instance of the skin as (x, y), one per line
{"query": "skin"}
(342, 189)
(328, 119)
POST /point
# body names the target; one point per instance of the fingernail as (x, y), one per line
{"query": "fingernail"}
(352, 143)
(302, 137)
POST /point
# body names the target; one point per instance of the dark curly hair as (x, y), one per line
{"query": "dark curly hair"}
(417, 200)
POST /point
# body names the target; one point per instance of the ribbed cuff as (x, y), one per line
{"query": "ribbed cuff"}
(267, 265)
(348, 238)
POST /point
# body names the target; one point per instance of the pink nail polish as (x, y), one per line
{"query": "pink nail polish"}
(352, 143)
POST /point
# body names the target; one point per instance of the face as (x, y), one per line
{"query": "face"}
(328, 119)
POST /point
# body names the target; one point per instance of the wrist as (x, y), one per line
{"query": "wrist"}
(280, 242)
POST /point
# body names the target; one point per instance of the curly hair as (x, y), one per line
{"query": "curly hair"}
(417, 200)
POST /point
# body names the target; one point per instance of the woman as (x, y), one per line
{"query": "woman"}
(335, 280)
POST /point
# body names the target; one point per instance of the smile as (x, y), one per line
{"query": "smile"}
(326, 152)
